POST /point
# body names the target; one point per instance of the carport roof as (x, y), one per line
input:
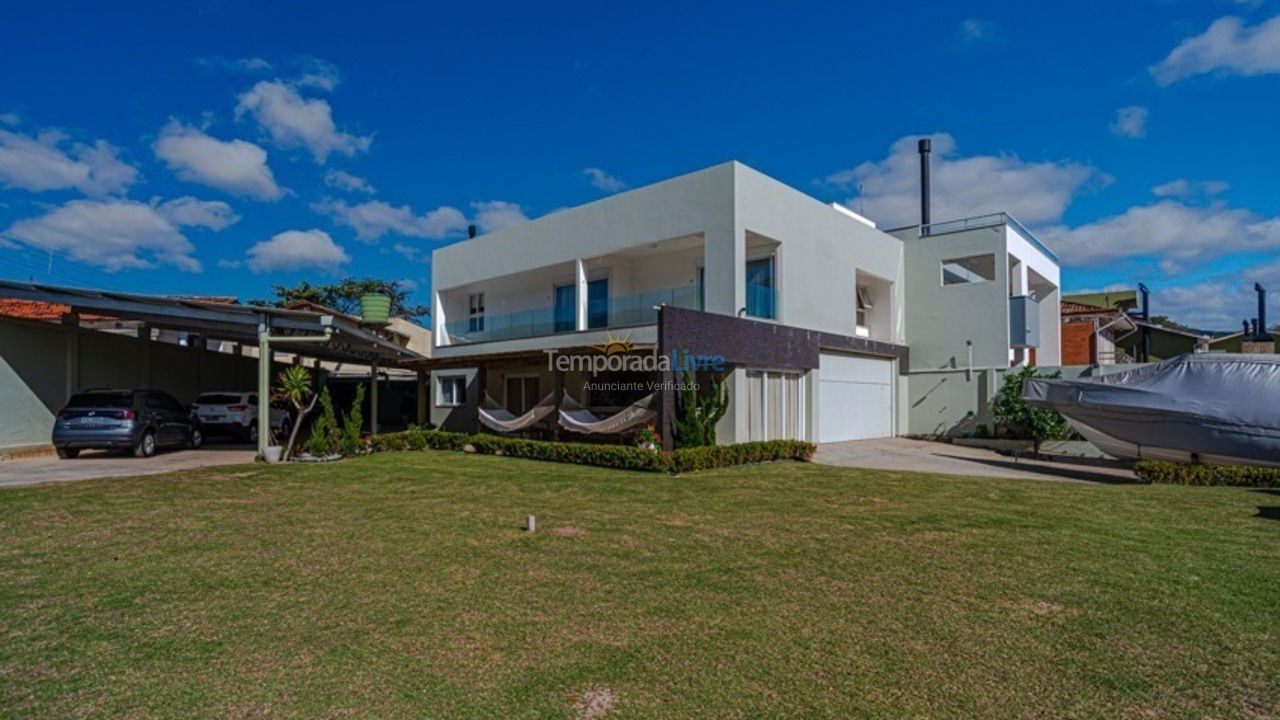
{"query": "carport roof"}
(348, 341)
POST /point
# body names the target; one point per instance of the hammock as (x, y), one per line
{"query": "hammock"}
(575, 418)
(500, 419)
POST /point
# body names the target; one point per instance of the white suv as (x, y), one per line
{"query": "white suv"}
(235, 414)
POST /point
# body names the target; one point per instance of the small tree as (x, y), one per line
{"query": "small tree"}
(696, 421)
(295, 388)
(353, 424)
(1034, 423)
(324, 431)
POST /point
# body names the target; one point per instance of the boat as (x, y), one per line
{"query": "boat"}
(1210, 408)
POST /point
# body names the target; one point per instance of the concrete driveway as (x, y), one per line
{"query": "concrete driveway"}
(947, 459)
(101, 464)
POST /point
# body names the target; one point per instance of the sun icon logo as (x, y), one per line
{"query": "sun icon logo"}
(613, 345)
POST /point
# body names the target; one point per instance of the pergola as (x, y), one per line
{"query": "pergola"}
(299, 332)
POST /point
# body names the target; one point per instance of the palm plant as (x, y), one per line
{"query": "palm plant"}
(295, 388)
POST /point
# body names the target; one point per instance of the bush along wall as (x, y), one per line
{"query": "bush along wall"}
(1157, 471)
(621, 457)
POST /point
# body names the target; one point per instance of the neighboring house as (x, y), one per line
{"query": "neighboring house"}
(1090, 334)
(830, 329)
(1166, 342)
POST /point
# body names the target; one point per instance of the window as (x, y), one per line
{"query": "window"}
(702, 288)
(864, 304)
(967, 270)
(452, 391)
(522, 393)
(475, 312)
(598, 303)
(618, 388)
(566, 312)
(761, 288)
(775, 405)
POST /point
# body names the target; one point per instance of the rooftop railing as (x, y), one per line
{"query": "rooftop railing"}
(981, 221)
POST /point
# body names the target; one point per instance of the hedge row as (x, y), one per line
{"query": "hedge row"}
(622, 457)
(1157, 471)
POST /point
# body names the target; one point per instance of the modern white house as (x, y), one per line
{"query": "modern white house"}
(828, 328)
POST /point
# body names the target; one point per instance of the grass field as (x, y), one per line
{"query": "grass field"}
(401, 585)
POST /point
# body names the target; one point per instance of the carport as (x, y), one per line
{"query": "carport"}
(301, 333)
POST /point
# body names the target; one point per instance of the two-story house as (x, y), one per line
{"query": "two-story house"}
(820, 318)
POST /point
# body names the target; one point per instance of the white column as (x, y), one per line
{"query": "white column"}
(581, 300)
(439, 336)
(725, 259)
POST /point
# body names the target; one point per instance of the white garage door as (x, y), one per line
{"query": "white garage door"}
(855, 397)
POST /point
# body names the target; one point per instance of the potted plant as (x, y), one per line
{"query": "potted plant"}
(647, 438)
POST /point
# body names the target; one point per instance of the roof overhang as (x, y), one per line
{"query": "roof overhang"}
(347, 341)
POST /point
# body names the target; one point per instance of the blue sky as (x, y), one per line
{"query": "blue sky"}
(163, 148)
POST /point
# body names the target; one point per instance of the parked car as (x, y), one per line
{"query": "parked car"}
(235, 414)
(136, 420)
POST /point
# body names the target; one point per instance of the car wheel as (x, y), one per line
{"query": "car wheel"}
(146, 446)
(67, 453)
(196, 439)
(252, 434)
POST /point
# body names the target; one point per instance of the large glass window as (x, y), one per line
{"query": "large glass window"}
(762, 301)
(475, 312)
(566, 319)
(970, 269)
(598, 303)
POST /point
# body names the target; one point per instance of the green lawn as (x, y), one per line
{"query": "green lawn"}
(401, 585)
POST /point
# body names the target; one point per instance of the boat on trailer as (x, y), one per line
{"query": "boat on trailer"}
(1211, 408)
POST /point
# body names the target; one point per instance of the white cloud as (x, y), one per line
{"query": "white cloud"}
(1228, 46)
(191, 212)
(292, 121)
(317, 73)
(121, 234)
(371, 220)
(1176, 234)
(229, 264)
(602, 180)
(9, 119)
(236, 166)
(977, 30)
(295, 250)
(1184, 188)
(497, 214)
(39, 163)
(409, 252)
(1034, 192)
(1220, 303)
(346, 181)
(1130, 122)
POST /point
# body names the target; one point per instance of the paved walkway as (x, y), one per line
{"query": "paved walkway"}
(948, 459)
(100, 464)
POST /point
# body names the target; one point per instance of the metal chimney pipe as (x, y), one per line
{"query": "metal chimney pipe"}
(1262, 313)
(471, 231)
(1146, 317)
(924, 146)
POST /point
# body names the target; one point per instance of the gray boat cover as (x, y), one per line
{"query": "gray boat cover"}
(1213, 404)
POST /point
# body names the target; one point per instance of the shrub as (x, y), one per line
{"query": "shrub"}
(324, 429)
(1027, 422)
(719, 456)
(352, 425)
(697, 418)
(621, 457)
(1170, 473)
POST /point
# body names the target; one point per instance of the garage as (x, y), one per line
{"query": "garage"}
(855, 397)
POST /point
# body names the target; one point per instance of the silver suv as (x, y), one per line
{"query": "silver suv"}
(235, 414)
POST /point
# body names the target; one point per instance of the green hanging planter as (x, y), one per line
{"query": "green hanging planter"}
(375, 308)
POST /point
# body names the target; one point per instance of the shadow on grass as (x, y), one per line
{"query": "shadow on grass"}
(1268, 512)
(1080, 473)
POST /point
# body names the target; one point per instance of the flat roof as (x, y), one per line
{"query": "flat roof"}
(348, 340)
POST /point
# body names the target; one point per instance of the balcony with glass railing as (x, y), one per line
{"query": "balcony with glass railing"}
(615, 312)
